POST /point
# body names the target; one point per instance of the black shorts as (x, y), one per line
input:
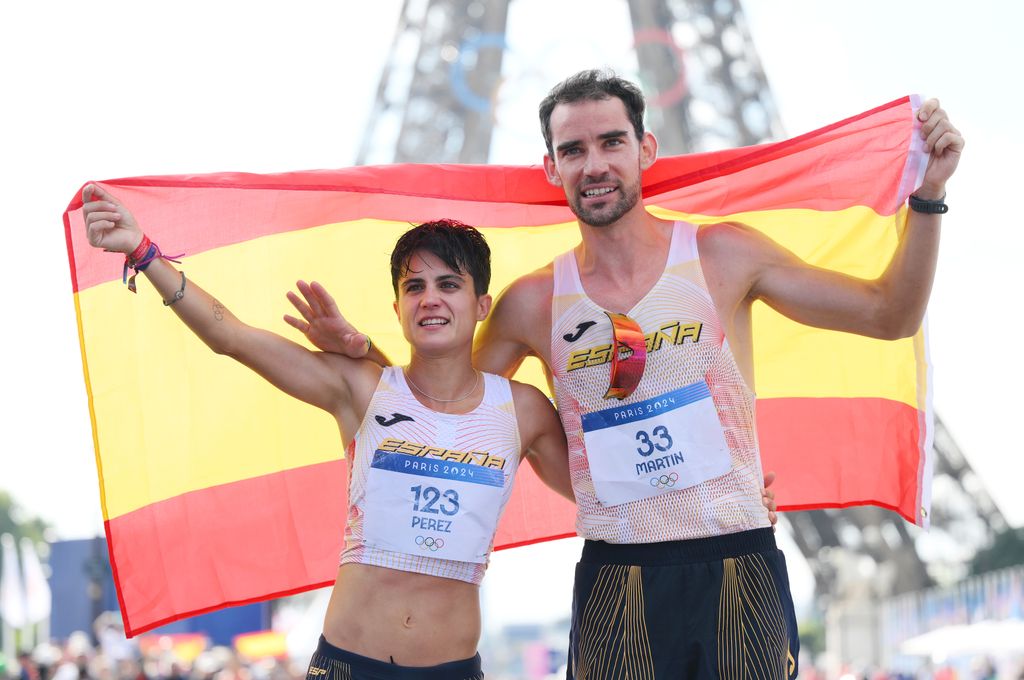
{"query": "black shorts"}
(716, 608)
(333, 663)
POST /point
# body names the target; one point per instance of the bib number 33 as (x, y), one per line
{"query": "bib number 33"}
(655, 446)
(662, 440)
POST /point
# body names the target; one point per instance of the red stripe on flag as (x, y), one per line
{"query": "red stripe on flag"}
(191, 554)
(857, 169)
(211, 211)
(527, 184)
(872, 456)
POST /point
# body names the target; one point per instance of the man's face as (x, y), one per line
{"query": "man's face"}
(437, 306)
(598, 159)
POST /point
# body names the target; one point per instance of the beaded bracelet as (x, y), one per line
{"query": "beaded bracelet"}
(178, 294)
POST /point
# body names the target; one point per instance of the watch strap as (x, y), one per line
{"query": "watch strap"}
(936, 207)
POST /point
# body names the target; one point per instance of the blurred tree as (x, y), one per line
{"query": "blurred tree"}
(14, 520)
(1007, 550)
(812, 636)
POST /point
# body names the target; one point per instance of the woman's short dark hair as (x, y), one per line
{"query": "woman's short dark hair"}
(460, 246)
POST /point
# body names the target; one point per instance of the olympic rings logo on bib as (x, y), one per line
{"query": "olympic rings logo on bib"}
(665, 481)
(430, 543)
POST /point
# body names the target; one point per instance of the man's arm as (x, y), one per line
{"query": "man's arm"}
(889, 307)
(518, 326)
(318, 379)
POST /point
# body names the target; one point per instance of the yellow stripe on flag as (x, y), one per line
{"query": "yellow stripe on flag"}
(170, 440)
(793, 360)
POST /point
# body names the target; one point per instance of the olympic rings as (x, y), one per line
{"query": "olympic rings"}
(457, 73)
(468, 56)
(430, 543)
(665, 481)
(659, 36)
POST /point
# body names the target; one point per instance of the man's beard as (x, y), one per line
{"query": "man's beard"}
(626, 198)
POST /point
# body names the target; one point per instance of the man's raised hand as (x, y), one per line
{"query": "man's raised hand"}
(944, 142)
(108, 224)
(322, 322)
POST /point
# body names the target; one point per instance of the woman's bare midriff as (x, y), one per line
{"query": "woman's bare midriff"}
(412, 619)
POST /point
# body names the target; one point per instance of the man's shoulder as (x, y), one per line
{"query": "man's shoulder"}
(727, 234)
(517, 324)
(730, 245)
(531, 290)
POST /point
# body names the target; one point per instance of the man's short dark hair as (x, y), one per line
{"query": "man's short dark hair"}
(593, 85)
(460, 246)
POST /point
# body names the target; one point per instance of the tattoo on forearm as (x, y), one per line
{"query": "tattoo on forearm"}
(218, 311)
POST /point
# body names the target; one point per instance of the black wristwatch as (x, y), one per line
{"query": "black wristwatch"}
(936, 207)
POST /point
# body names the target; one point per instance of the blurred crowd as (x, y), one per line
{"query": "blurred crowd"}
(79, 658)
(978, 668)
(108, 655)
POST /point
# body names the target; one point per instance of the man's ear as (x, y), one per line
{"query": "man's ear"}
(648, 150)
(394, 306)
(551, 171)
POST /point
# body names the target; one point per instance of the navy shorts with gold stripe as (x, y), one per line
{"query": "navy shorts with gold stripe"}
(333, 663)
(717, 608)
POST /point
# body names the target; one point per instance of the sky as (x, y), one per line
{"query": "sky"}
(116, 88)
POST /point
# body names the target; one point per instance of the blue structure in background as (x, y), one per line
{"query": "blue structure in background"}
(83, 587)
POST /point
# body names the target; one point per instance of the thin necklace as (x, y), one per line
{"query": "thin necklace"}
(443, 401)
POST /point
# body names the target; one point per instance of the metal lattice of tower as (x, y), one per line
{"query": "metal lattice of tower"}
(699, 59)
(705, 85)
(427, 107)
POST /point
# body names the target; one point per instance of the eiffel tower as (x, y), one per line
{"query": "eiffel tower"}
(706, 90)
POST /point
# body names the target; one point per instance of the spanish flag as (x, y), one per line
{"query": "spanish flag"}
(219, 490)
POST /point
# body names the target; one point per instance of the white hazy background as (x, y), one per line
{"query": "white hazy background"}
(113, 88)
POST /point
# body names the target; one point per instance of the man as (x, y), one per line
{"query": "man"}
(645, 329)
(715, 599)
(433, 447)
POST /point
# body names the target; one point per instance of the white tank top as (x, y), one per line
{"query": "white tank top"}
(678, 458)
(426, 489)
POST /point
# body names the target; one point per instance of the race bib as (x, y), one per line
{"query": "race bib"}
(655, 446)
(434, 508)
